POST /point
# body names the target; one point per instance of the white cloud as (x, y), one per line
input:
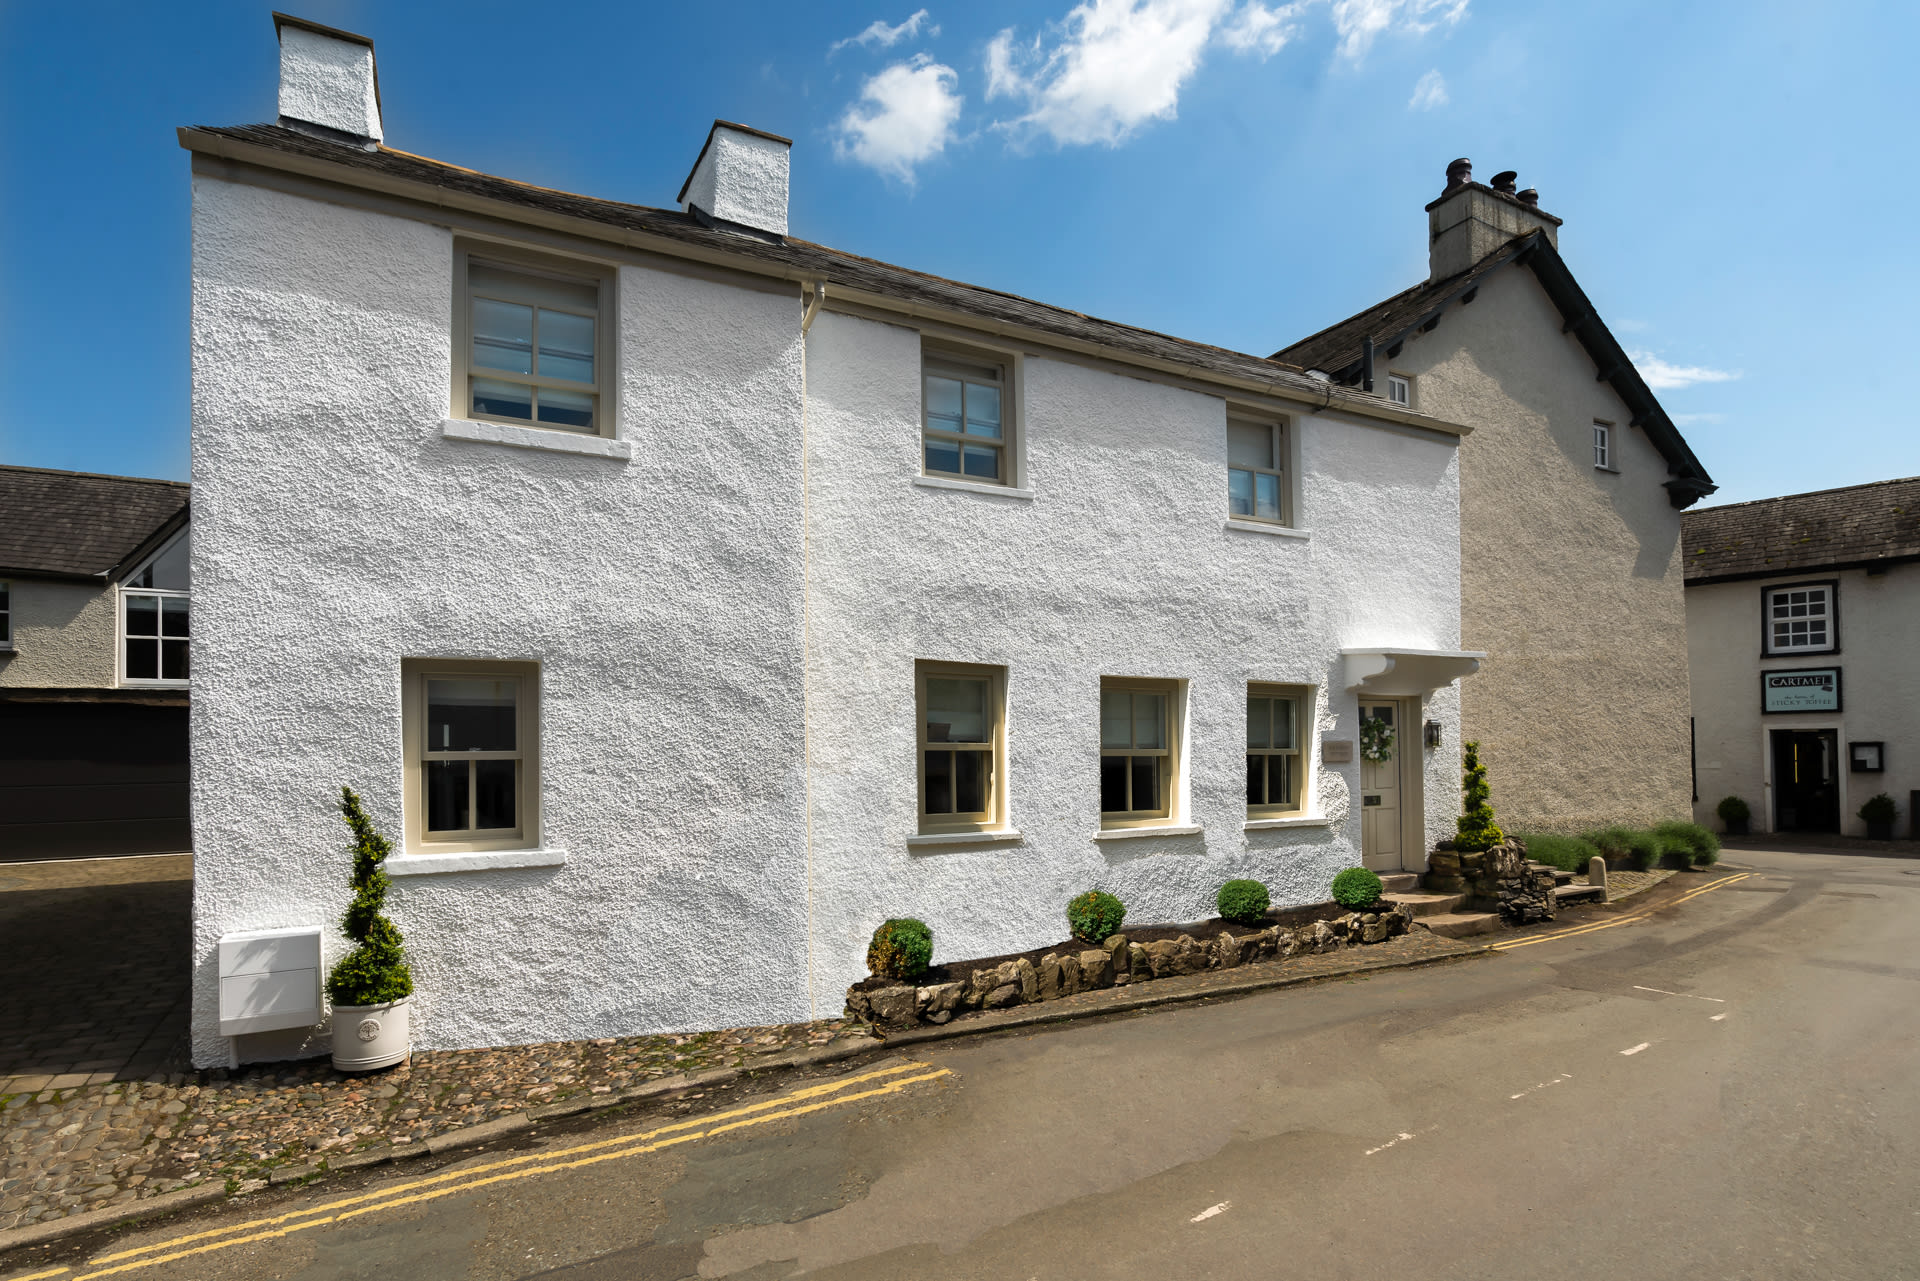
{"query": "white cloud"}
(1359, 23)
(1429, 91)
(1662, 376)
(879, 35)
(1689, 420)
(905, 115)
(1258, 29)
(1114, 66)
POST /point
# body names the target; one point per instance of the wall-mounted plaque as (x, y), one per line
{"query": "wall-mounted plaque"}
(1805, 689)
(1337, 751)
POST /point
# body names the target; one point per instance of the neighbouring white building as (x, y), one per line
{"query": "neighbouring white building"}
(1803, 629)
(685, 597)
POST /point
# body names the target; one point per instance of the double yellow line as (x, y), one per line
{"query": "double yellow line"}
(884, 1081)
(1594, 927)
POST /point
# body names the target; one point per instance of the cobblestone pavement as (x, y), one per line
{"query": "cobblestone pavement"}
(94, 972)
(94, 1146)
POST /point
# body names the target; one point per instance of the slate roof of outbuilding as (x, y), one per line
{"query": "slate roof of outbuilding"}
(72, 524)
(814, 261)
(1861, 525)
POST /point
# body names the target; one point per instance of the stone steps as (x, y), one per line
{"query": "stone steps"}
(1398, 882)
(1425, 904)
(1459, 925)
(1579, 893)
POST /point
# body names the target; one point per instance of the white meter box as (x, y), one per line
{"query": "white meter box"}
(269, 979)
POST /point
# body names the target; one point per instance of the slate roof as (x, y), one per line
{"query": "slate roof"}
(1859, 526)
(71, 524)
(800, 257)
(1339, 349)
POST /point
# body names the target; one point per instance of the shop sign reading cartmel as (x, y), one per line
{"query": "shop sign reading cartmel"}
(1806, 689)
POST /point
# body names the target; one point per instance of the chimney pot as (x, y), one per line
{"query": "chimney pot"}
(1530, 198)
(1459, 173)
(740, 178)
(1505, 180)
(327, 79)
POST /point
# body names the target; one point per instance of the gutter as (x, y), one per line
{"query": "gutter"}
(1298, 389)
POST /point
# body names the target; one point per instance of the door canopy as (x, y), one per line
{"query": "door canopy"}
(1401, 673)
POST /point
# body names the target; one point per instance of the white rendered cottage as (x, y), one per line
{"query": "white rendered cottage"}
(686, 598)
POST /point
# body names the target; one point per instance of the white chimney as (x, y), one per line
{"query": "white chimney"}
(327, 79)
(740, 178)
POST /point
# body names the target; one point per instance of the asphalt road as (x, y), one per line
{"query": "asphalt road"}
(1726, 1088)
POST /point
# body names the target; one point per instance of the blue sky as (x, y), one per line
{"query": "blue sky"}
(1226, 170)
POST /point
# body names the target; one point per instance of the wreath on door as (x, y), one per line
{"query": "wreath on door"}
(1376, 740)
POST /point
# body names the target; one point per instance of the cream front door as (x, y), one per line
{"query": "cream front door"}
(1380, 793)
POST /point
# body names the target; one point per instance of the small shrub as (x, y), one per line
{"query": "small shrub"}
(1640, 850)
(375, 972)
(1689, 841)
(1477, 830)
(901, 949)
(1568, 853)
(1095, 916)
(1732, 809)
(1356, 888)
(1880, 809)
(1243, 902)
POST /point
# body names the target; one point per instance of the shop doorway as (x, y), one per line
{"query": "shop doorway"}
(1806, 780)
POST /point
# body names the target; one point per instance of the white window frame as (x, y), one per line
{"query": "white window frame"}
(534, 265)
(414, 674)
(1301, 697)
(1603, 446)
(6, 616)
(1166, 810)
(1829, 614)
(1281, 440)
(124, 592)
(955, 360)
(1400, 390)
(994, 817)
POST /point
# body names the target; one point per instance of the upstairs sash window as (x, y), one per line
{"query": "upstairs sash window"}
(964, 421)
(1256, 471)
(533, 348)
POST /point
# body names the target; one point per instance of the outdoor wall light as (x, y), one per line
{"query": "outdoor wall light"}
(1433, 733)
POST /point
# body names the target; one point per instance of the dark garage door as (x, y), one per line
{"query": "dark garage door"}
(86, 780)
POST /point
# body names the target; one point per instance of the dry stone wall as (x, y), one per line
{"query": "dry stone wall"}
(1498, 879)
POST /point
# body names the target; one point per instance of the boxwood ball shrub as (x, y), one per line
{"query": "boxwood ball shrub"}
(1690, 841)
(1880, 809)
(1356, 888)
(1095, 916)
(1242, 902)
(902, 949)
(1732, 809)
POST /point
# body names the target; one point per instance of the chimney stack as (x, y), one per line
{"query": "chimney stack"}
(327, 82)
(1470, 221)
(740, 179)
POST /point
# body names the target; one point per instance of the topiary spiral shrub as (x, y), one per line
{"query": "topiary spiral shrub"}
(902, 949)
(1688, 841)
(375, 971)
(1095, 915)
(1477, 831)
(1242, 902)
(1356, 888)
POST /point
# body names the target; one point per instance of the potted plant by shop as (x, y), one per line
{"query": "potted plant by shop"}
(1734, 813)
(370, 987)
(1878, 814)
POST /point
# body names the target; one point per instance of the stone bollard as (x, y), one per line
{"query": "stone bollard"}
(1597, 875)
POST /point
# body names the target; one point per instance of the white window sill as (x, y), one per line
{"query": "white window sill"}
(1262, 527)
(972, 487)
(936, 840)
(472, 861)
(1291, 820)
(1139, 833)
(559, 442)
(135, 683)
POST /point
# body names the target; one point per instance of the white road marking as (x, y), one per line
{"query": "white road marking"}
(1690, 996)
(1564, 1076)
(1389, 1143)
(1636, 1049)
(1716, 1018)
(1209, 1212)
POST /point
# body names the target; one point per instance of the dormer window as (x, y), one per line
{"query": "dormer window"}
(532, 347)
(155, 618)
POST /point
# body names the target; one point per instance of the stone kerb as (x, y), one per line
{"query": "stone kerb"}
(1117, 963)
(1497, 879)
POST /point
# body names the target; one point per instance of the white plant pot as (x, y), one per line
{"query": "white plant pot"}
(366, 1037)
